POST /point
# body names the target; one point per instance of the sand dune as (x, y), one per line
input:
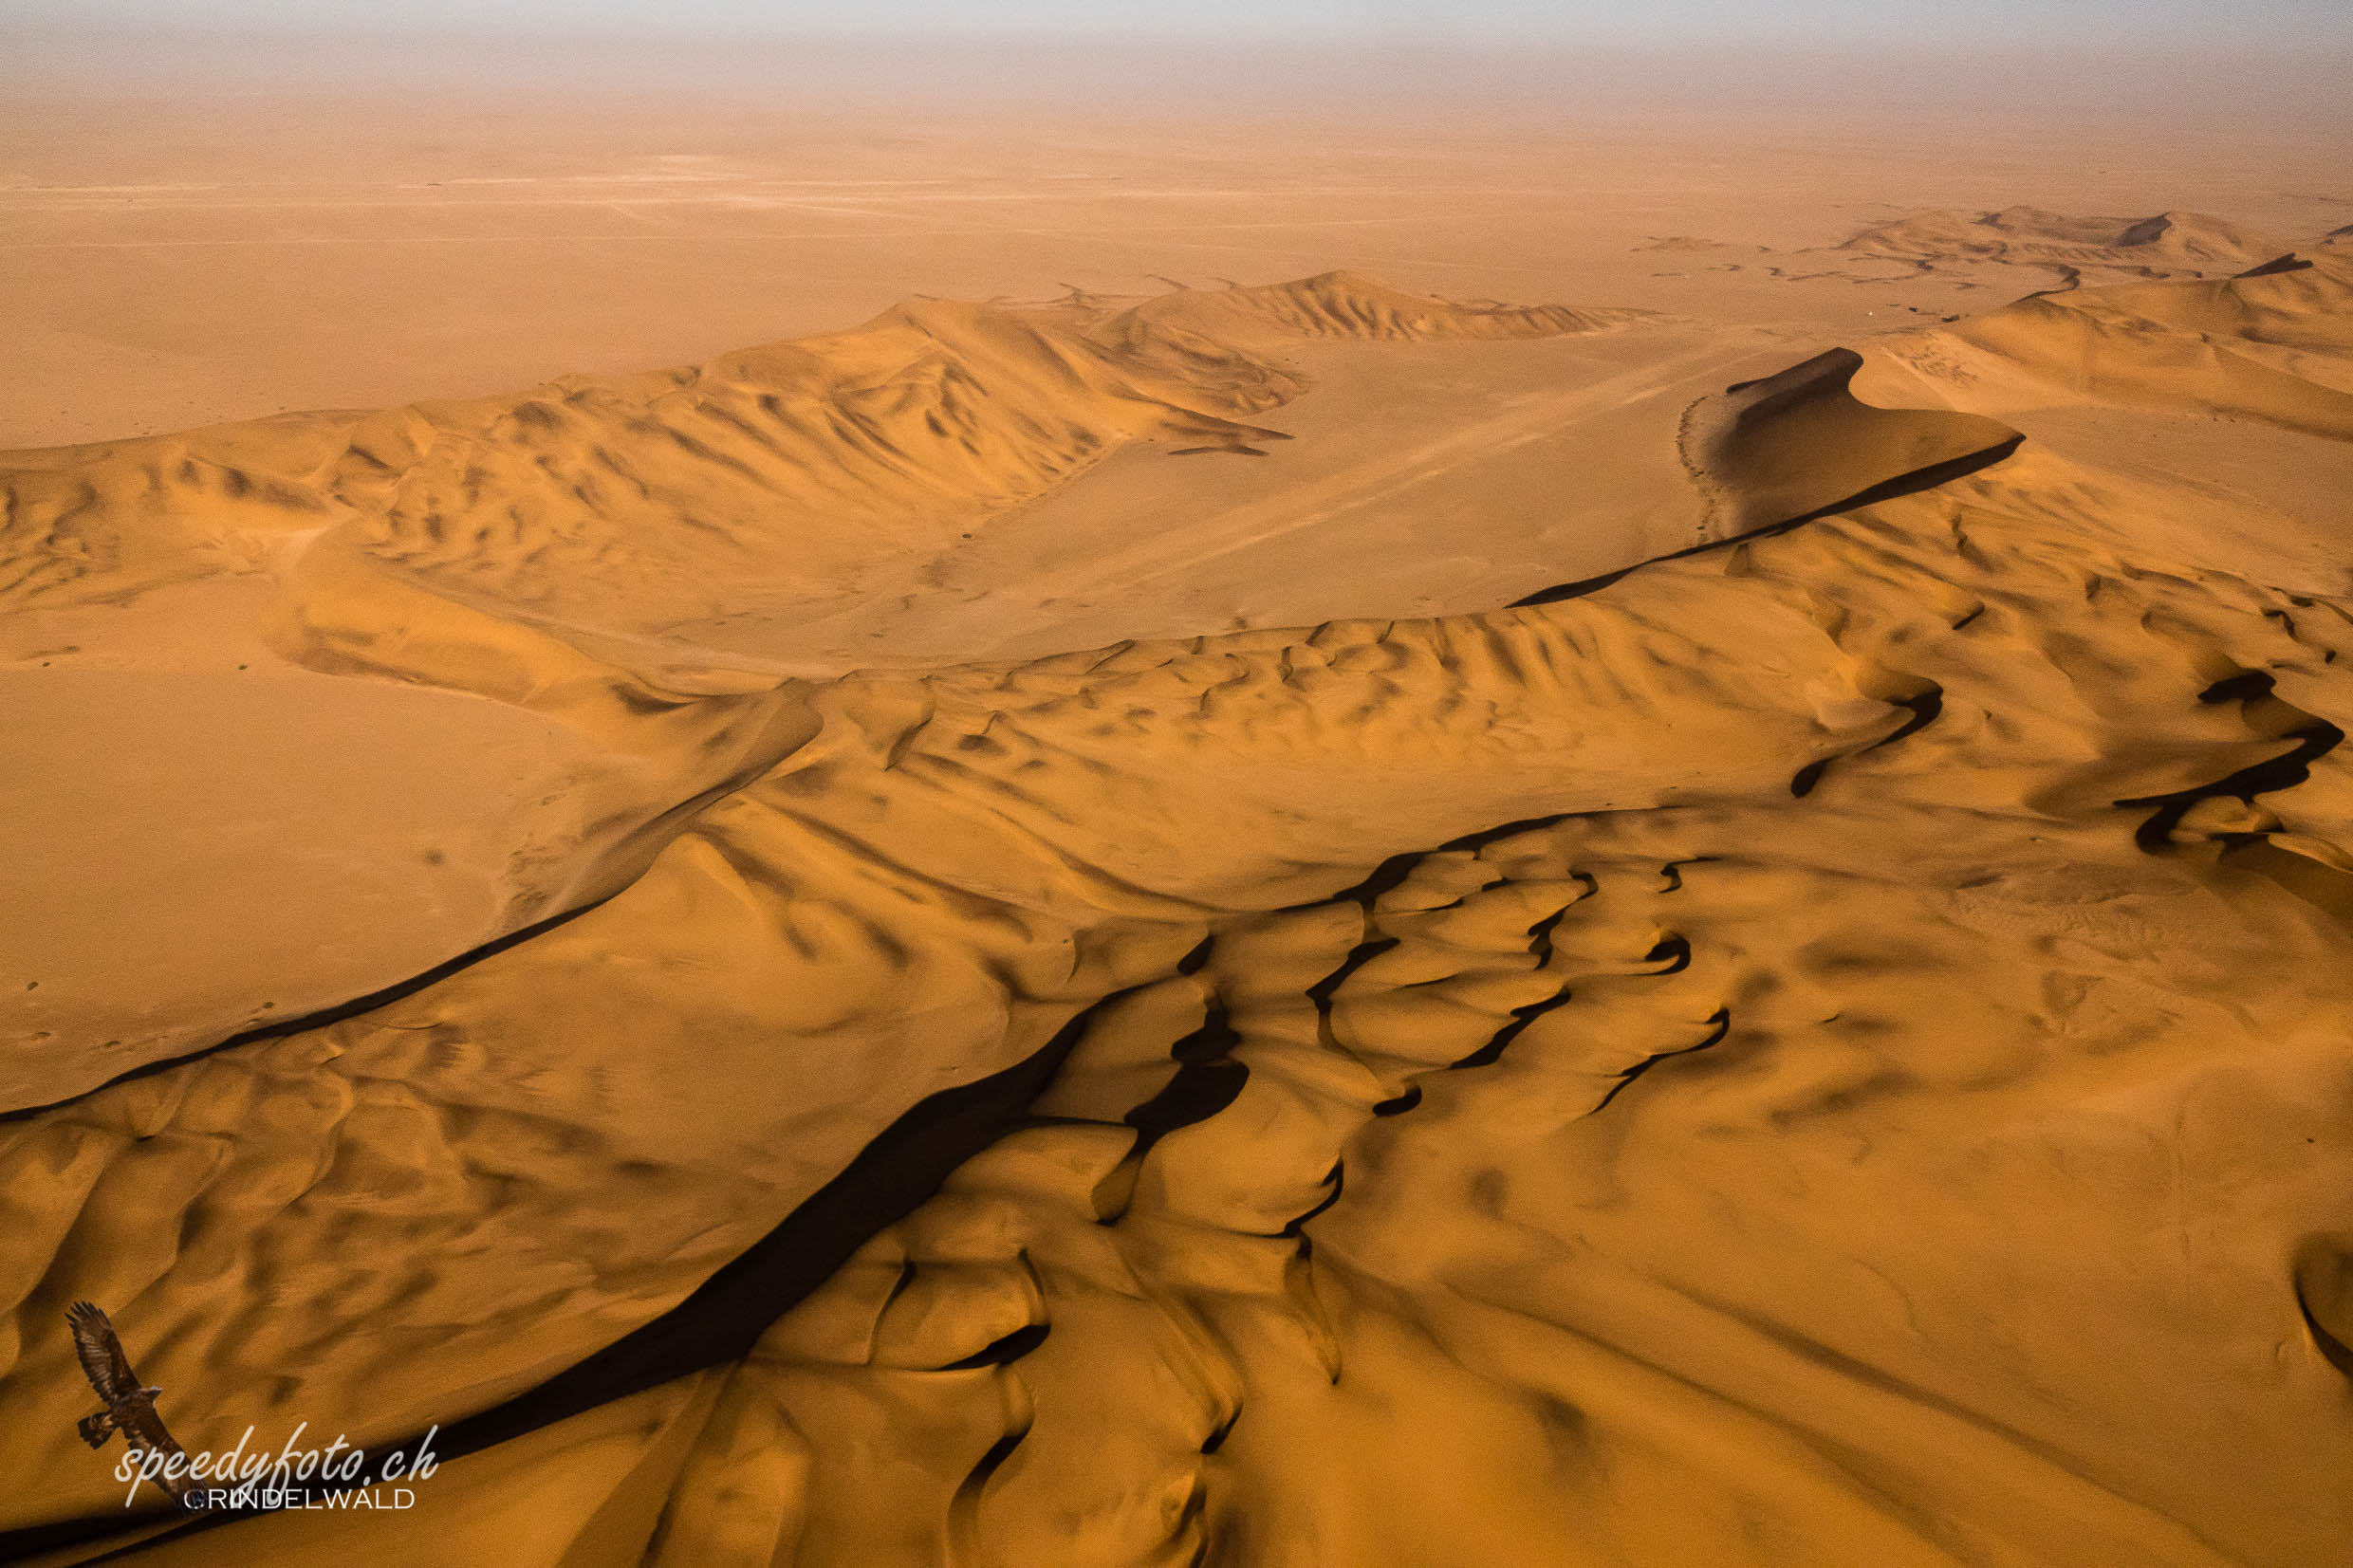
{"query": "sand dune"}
(1335, 304)
(764, 477)
(2169, 244)
(1965, 252)
(1800, 443)
(2272, 346)
(1822, 1049)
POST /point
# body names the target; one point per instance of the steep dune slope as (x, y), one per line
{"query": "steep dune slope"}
(1800, 443)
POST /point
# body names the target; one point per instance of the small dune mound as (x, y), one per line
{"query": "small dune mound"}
(1684, 244)
(1345, 304)
(1800, 443)
(1220, 337)
(2167, 244)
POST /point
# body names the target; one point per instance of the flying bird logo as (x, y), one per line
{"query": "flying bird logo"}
(130, 1405)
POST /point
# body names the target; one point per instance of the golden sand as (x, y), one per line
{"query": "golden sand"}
(1296, 924)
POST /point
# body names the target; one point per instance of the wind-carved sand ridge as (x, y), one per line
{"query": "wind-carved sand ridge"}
(1830, 1048)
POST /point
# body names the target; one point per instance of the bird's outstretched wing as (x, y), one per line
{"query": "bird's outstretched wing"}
(147, 1428)
(102, 1360)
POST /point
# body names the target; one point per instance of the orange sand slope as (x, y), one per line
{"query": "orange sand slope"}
(1827, 1049)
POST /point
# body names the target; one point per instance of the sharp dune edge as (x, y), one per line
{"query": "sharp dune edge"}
(1827, 1048)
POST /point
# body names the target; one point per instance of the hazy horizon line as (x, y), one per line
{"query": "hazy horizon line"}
(1878, 76)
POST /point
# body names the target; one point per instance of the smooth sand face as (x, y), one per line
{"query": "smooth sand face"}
(1116, 1008)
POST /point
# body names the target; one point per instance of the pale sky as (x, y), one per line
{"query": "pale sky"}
(2135, 58)
(1467, 21)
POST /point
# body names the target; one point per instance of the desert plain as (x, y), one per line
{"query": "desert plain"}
(972, 835)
